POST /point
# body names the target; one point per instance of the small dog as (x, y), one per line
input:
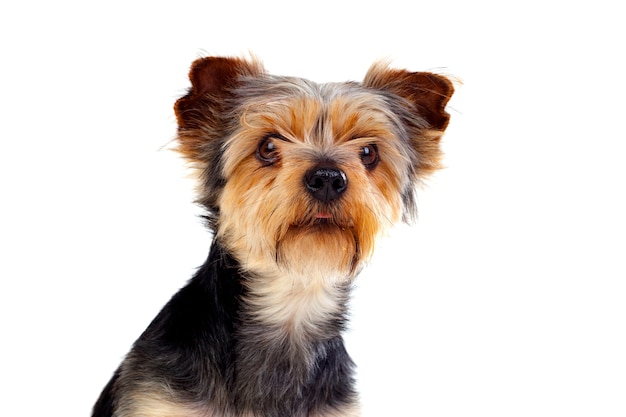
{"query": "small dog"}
(298, 180)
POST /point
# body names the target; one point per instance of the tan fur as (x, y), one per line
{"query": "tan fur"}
(154, 400)
(349, 411)
(153, 406)
(295, 304)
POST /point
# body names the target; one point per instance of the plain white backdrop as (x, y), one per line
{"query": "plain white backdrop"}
(506, 298)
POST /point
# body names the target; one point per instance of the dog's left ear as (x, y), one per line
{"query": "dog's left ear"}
(422, 99)
(428, 93)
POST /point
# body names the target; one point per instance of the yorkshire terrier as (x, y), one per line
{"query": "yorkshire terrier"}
(298, 180)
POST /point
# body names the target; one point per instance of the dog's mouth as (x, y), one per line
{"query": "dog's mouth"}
(323, 215)
(322, 218)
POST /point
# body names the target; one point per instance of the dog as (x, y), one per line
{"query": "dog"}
(298, 180)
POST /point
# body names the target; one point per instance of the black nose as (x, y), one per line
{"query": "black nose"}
(326, 184)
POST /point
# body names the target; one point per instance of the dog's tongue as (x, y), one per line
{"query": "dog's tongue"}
(323, 215)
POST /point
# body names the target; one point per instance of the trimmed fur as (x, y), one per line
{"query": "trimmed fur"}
(257, 331)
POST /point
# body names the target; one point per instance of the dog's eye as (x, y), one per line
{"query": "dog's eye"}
(369, 156)
(267, 151)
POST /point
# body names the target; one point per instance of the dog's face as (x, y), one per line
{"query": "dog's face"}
(303, 177)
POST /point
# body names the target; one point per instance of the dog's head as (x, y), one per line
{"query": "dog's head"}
(304, 176)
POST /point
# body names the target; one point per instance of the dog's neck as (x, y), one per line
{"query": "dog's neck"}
(300, 307)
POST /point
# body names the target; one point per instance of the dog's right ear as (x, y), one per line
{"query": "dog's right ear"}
(202, 112)
(212, 80)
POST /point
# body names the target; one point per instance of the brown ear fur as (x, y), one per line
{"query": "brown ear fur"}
(211, 79)
(200, 113)
(427, 92)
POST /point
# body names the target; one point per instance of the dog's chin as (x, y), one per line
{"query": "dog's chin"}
(322, 245)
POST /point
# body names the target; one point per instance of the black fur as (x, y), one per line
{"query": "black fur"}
(209, 351)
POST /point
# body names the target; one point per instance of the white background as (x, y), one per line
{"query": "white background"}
(506, 298)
